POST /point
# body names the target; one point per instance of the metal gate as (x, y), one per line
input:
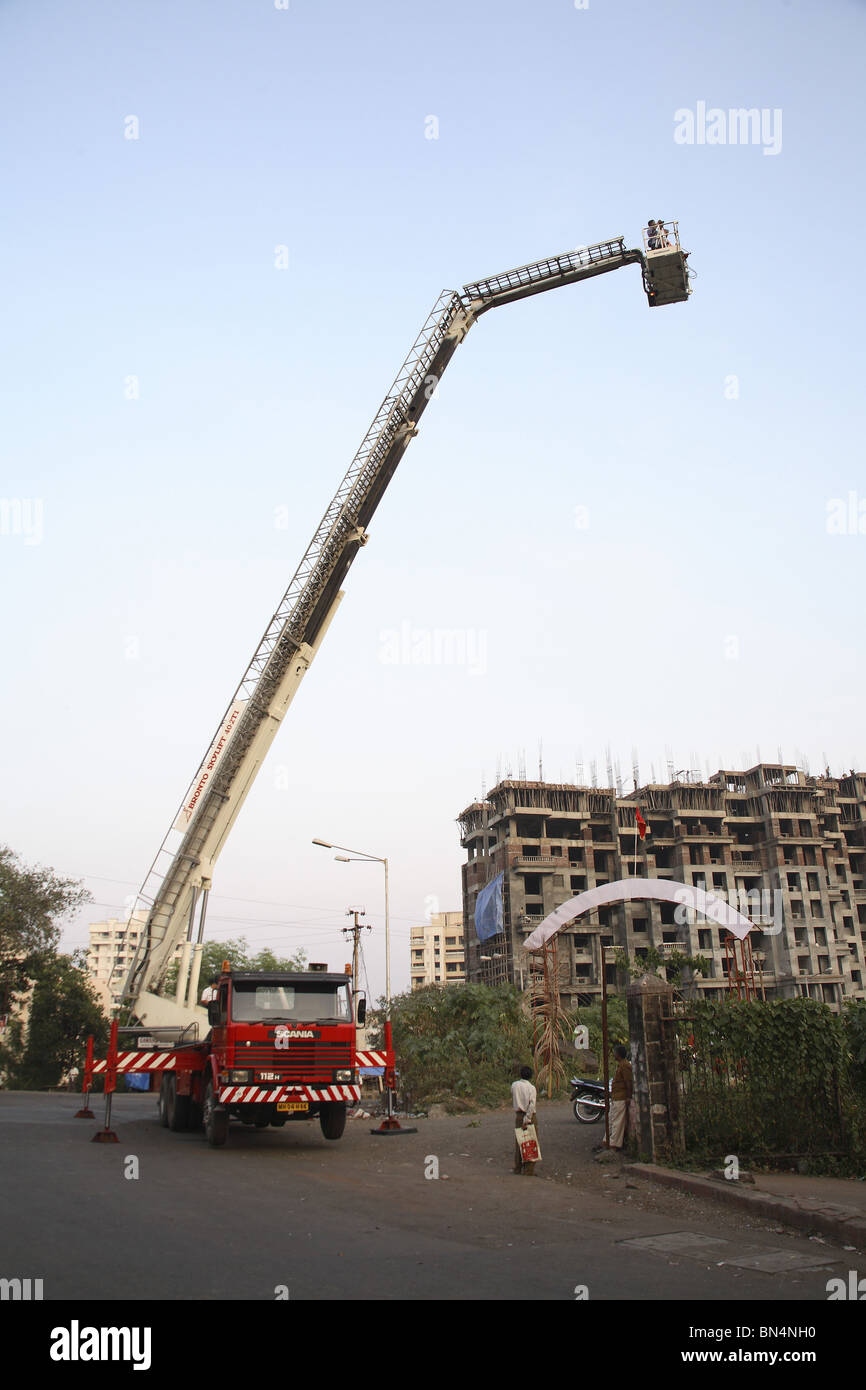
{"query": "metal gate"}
(735, 1101)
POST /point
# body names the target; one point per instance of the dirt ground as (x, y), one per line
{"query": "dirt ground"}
(466, 1144)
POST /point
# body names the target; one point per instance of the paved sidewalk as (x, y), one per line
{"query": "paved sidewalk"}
(834, 1207)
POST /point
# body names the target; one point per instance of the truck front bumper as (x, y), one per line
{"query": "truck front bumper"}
(266, 1095)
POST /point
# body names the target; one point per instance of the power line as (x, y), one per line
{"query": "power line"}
(226, 897)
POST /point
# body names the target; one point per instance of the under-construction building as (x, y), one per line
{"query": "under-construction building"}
(786, 848)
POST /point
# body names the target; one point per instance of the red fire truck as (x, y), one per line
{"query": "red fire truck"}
(262, 1064)
(281, 1047)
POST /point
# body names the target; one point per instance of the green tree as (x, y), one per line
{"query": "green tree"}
(668, 967)
(63, 1011)
(461, 1045)
(237, 952)
(617, 1026)
(32, 903)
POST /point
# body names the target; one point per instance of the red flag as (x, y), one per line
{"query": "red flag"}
(641, 824)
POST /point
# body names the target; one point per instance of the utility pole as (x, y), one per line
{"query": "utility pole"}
(355, 932)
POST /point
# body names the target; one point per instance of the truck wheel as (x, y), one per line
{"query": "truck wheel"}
(332, 1118)
(161, 1105)
(196, 1113)
(176, 1107)
(216, 1118)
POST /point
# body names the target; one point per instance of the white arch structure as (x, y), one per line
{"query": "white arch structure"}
(716, 909)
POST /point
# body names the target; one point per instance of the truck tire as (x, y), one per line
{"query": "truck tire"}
(161, 1105)
(216, 1118)
(176, 1107)
(196, 1113)
(332, 1118)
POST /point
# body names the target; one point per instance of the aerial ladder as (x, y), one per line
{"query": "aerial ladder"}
(175, 891)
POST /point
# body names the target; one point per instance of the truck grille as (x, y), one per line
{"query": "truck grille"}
(310, 1061)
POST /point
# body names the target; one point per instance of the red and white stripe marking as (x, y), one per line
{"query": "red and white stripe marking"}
(141, 1061)
(372, 1059)
(257, 1095)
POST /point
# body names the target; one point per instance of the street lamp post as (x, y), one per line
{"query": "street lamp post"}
(389, 1125)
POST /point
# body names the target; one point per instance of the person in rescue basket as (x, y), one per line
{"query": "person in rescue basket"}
(524, 1098)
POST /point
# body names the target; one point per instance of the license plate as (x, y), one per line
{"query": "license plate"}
(293, 1105)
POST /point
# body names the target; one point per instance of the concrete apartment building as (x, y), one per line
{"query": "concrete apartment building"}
(110, 953)
(437, 952)
(787, 848)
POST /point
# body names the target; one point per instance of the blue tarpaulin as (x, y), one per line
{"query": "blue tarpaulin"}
(141, 1082)
(488, 909)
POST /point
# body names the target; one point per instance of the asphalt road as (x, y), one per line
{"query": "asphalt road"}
(359, 1220)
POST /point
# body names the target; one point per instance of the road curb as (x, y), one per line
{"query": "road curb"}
(811, 1215)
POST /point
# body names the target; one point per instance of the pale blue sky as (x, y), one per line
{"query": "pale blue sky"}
(159, 563)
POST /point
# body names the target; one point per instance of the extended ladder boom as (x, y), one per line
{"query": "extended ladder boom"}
(185, 861)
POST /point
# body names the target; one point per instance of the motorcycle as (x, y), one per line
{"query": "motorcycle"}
(587, 1099)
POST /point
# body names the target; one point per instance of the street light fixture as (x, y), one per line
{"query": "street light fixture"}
(347, 858)
(389, 1124)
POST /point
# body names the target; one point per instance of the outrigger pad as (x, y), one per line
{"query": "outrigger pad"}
(105, 1136)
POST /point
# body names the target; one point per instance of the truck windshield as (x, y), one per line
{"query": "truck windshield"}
(254, 1002)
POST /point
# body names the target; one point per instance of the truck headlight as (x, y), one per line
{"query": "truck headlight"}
(346, 1074)
(241, 1078)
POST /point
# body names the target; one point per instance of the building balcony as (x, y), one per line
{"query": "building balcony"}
(541, 863)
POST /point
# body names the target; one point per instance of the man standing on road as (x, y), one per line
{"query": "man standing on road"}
(524, 1098)
(620, 1095)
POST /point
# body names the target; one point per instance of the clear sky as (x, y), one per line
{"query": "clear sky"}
(622, 514)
